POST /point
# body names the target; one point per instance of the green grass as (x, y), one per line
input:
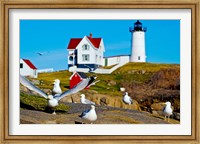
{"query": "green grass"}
(109, 67)
(131, 73)
(38, 103)
(147, 67)
(48, 79)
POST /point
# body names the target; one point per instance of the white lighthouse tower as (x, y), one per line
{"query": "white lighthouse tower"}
(137, 42)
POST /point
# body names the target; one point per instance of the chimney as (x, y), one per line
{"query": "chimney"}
(90, 35)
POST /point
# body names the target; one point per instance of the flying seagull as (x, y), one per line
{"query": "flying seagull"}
(86, 101)
(56, 87)
(127, 99)
(89, 114)
(41, 53)
(54, 99)
(167, 111)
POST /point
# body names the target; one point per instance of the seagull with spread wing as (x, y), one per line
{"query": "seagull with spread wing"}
(54, 99)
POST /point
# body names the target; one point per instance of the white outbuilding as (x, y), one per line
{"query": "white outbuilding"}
(118, 59)
(27, 68)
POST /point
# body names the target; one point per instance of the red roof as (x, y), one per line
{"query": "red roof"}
(29, 63)
(75, 41)
(95, 41)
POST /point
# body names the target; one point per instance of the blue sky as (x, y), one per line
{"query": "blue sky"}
(52, 36)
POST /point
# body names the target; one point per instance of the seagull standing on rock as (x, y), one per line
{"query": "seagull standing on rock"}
(127, 99)
(54, 99)
(89, 115)
(86, 101)
(56, 87)
(167, 110)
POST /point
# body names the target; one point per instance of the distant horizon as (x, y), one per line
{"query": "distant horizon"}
(52, 36)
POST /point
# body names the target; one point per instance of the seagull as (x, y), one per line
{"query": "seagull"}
(54, 99)
(86, 101)
(167, 110)
(89, 114)
(56, 88)
(127, 99)
(41, 53)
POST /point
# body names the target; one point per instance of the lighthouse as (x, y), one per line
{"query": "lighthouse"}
(137, 42)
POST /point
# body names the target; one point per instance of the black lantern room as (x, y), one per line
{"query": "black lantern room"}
(137, 27)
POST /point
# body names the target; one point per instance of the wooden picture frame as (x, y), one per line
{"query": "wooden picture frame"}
(45, 4)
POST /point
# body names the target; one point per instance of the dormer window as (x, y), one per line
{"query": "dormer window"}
(86, 47)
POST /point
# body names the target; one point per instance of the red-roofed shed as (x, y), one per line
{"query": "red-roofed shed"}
(76, 77)
(27, 68)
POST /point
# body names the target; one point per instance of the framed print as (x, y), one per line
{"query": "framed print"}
(106, 71)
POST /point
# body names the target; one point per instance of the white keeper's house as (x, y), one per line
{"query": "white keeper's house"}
(86, 52)
(27, 68)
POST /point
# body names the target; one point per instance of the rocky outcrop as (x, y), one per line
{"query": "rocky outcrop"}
(103, 100)
(106, 115)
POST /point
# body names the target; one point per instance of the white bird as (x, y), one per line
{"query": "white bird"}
(86, 101)
(127, 99)
(167, 111)
(89, 115)
(53, 100)
(56, 87)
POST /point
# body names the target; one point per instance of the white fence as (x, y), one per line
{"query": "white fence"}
(45, 70)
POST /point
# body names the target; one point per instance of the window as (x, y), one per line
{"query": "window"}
(86, 47)
(96, 58)
(139, 58)
(71, 58)
(86, 57)
(21, 65)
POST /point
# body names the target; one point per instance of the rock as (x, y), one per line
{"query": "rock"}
(103, 101)
(122, 89)
(155, 113)
(112, 82)
(74, 98)
(157, 106)
(47, 91)
(143, 71)
(24, 89)
(176, 116)
(106, 115)
(36, 82)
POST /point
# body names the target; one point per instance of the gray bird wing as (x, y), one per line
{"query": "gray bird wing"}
(89, 102)
(93, 83)
(130, 99)
(80, 86)
(30, 86)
